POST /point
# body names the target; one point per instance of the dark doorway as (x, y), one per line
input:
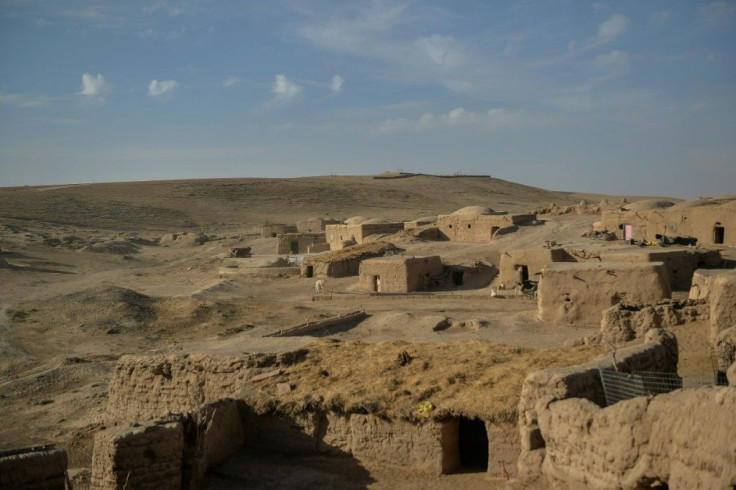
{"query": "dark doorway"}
(523, 273)
(718, 233)
(457, 277)
(473, 445)
(295, 247)
(310, 271)
(377, 284)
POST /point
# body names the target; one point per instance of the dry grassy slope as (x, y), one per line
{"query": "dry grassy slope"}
(241, 203)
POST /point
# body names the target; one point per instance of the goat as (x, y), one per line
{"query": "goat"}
(319, 286)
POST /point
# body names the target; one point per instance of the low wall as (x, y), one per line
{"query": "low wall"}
(658, 353)
(147, 456)
(624, 322)
(722, 299)
(41, 468)
(682, 440)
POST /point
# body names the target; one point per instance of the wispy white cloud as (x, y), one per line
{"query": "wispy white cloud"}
(336, 84)
(25, 100)
(157, 88)
(719, 12)
(612, 28)
(230, 82)
(162, 5)
(284, 90)
(615, 61)
(459, 117)
(661, 17)
(94, 87)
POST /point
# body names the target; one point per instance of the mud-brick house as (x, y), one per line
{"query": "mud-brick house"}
(711, 221)
(300, 243)
(478, 224)
(356, 229)
(399, 274)
(517, 266)
(272, 230)
(315, 225)
(578, 292)
(345, 262)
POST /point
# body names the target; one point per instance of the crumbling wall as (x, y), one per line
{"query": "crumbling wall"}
(722, 299)
(298, 243)
(147, 456)
(658, 353)
(685, 439)
(578, 292)
(703, 282)
(41, 468)
(151, 388)
(624, 322)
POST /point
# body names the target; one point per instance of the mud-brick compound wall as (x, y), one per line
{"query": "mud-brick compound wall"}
(680, 440)
(658, 353)
(399, 274)
(578, 292)
(534, 259)
(680, 264)
(33, 468)
(167, 454)
(148, 456)
(298, 243)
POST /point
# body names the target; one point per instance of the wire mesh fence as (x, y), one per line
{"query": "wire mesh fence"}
(619, 386)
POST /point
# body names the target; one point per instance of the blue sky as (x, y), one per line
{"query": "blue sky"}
(624, 97)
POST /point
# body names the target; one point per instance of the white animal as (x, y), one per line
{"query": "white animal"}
(319, 286)
(494, 293)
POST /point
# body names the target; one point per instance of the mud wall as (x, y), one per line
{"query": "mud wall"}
(477, 228)
(147, 456)
(535, 259)
(32, 469)
(578, 292)
(298, 242)
(622, 323)
(680, 264)
(658, 353)
(684, 439)
(722, 301)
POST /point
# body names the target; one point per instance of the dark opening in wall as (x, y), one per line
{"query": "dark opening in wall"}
(457, 277)
(473, 445)
(295, 247)
(718, 233)
(310, 271)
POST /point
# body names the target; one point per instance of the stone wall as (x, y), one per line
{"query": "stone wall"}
(623, 322)
(41, 468)
(685, 439)
(147, 456)
(270, 231)
(315, 225)
(658, 353)
(578, 292)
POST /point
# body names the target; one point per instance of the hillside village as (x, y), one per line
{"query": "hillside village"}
(585, 344)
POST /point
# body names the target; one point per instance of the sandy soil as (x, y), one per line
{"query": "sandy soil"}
(87, 281)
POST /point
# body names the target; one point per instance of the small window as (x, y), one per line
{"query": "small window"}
(468, 226)
(450, 226)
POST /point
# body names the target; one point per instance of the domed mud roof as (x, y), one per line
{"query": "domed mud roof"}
(473, 211)
(355, 220)
(648, 205)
